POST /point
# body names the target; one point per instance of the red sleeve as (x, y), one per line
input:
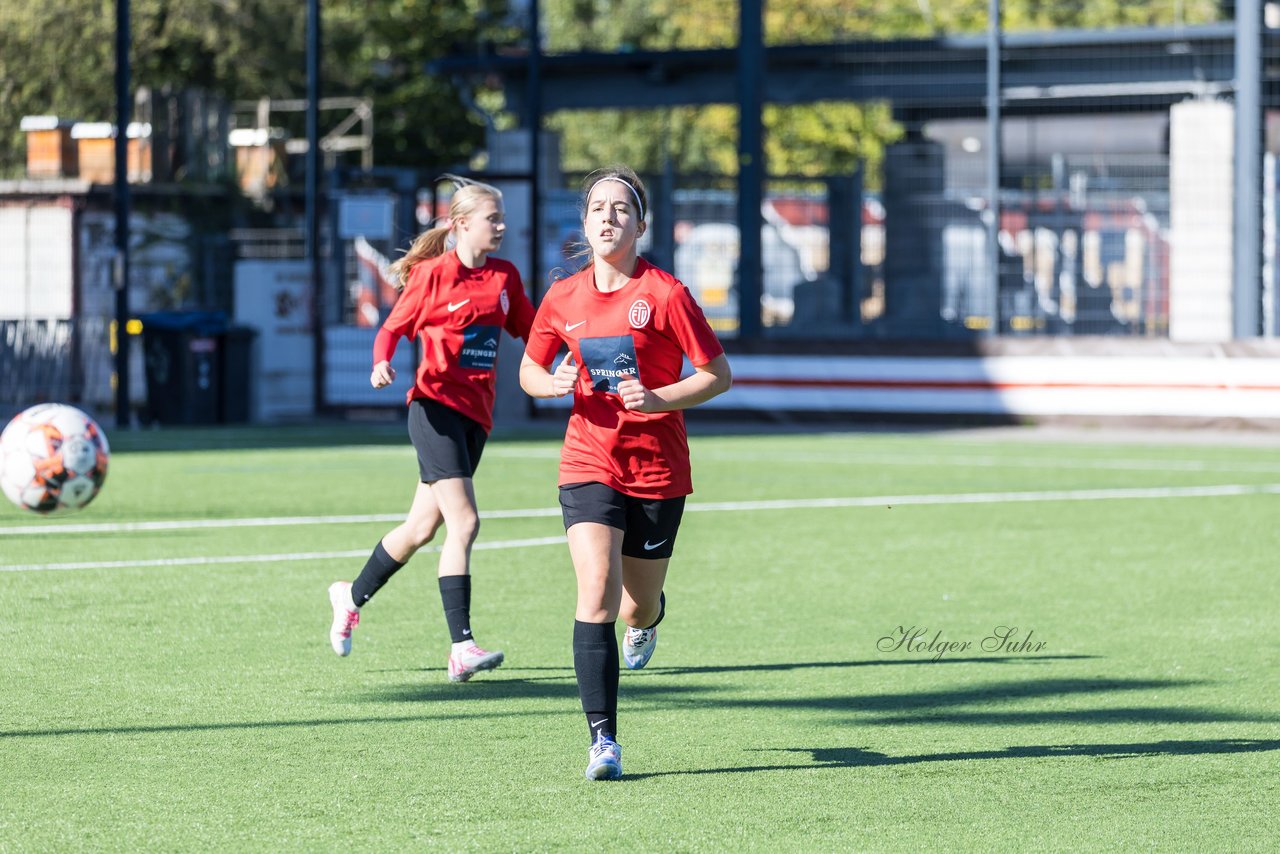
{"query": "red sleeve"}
(520, 317)
(384, 345)
(544, 342)
(399, 323)
(689, 325)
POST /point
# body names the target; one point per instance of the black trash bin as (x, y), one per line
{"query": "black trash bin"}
(237, 375)
(183, 366)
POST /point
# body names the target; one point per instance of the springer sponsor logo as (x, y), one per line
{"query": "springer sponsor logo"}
(608, 360)
(479, 347)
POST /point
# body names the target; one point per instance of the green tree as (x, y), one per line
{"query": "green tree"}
(58, 57)
(807, 139)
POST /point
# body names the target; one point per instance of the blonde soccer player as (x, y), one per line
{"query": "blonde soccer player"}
(457, 299)
(624, 467)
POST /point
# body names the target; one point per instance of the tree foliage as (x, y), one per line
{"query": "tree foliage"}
(810, 139)
(58, 57)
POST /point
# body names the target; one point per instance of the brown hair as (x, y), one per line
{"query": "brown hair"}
(582, 251)
(435, 241)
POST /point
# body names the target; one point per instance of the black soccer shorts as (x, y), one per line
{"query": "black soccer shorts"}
(649, 525)
(449, 444)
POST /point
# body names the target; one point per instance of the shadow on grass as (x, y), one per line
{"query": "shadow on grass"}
(871, 662)
(939, 707)
(856, 757)
(983, 693)
(467, 697)
(562, 688)
(154, 729)
(566, 672)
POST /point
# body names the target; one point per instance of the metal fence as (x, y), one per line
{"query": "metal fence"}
(1084, 245)
(1096, 196)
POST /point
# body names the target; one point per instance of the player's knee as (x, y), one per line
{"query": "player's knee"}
(466, 526)
(596, 591)
(423, 532)
(640, 616)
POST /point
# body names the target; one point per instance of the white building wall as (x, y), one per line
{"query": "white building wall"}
(1201, 135)
(36, 279)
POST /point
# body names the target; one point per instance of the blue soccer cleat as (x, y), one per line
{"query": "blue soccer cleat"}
(604, 760)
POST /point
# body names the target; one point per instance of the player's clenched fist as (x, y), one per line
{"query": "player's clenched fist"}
(382, 375)
(635, 396)
(565, 377)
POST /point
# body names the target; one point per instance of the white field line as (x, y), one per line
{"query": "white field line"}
(264, 522)
(266, 558)
(1136, 493)
(967, 461)
(944, 460)
(961, 460)
(732, 506)
(1157, 492)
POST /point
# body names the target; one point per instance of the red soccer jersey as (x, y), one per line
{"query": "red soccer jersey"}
(459, 313)
(649, 325)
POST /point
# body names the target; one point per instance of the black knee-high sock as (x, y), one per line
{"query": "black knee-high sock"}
(377, 572)
(595, 662)
(455, 593)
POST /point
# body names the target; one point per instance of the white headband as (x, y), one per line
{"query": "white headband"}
(623, 182)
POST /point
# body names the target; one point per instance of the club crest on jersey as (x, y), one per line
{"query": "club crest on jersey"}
(504, 301)
(639, 313)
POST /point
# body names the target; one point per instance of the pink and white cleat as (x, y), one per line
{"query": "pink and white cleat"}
(345, 617)
(466, 660)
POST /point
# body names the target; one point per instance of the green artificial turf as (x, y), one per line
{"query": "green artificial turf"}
(193, 702)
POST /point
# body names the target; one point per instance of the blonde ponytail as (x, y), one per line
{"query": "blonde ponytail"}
(429, 244)
(435, 241)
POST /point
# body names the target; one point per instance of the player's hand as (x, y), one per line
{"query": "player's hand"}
(565, 377)
(382, 375)
(635, 396)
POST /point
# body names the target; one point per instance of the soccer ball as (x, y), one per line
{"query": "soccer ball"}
(53, 459)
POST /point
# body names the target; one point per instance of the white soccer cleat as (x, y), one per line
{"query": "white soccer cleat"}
(638, 646)
(345, 617)
(604, 760)
(470, 660)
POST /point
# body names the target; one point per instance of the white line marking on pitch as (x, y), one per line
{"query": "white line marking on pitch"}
(277, 558)
(1156, 492)
(995, 497)
(263, 522)
(993, 461)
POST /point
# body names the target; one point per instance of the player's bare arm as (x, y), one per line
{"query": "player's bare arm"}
(539, 380)
(706, 382)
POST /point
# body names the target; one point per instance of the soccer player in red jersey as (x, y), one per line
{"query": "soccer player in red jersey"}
(624, 468)
(457, 301)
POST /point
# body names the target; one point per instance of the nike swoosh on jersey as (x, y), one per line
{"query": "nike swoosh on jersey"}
(454, 306)
(649, 548)
(569, 327)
